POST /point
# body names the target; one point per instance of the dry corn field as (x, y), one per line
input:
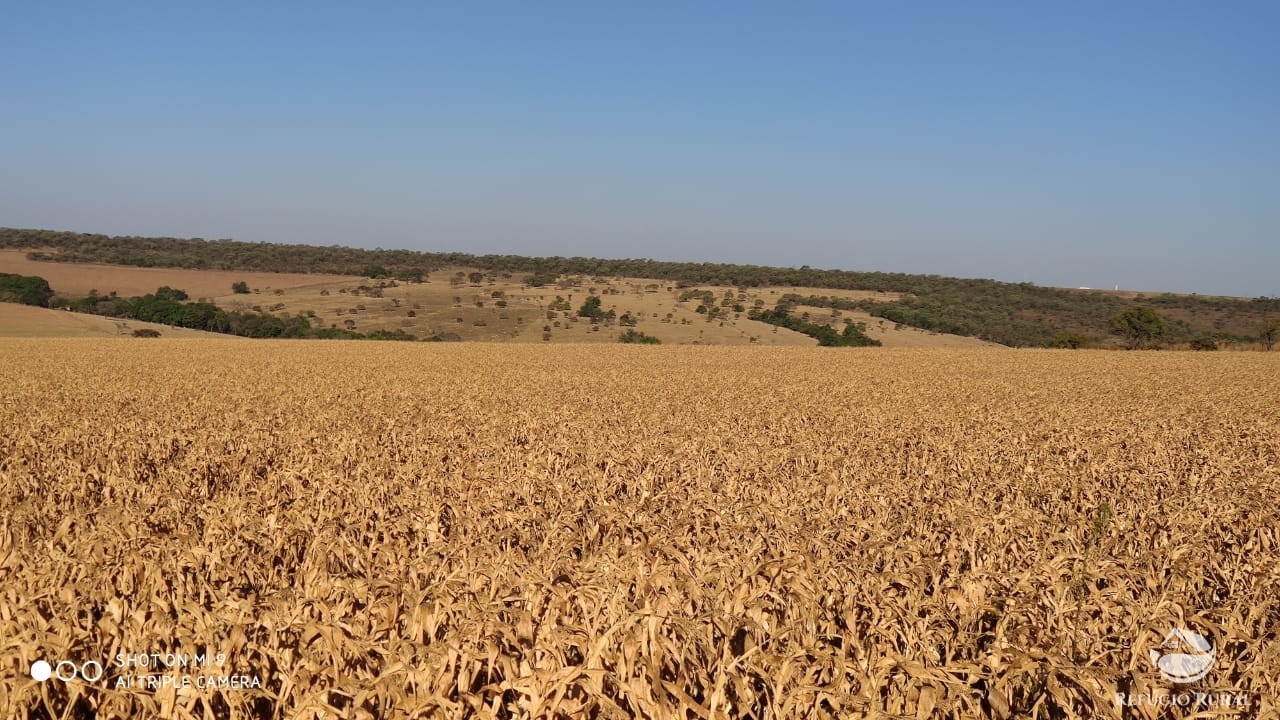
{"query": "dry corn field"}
(391, 530)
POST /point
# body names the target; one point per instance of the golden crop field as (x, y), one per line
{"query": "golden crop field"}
(307, 529)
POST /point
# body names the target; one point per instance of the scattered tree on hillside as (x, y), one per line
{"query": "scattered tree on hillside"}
(168, 306)
(1016, 314)
(240, 288)
(591, 308)
(1139, 326)
(1269, 333)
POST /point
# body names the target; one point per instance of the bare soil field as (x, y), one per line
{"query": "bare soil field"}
(336, 529)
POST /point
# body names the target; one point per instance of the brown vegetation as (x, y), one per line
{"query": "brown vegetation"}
(410, 530)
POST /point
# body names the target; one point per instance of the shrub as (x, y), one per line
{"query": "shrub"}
(637, 337)
(146, 333)
(1071, 341)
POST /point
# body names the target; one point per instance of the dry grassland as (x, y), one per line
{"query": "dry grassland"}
(77, 279)
(469, 311)
(28, 321)
(387, 530)
(472, 313)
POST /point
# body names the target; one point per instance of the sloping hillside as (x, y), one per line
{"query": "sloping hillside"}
(1011, 314)
(27, 321)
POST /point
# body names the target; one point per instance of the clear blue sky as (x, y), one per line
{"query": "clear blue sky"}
(1084, 143)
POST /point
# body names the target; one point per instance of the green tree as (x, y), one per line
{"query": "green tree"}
(171, 294)
(1139, 326)
(1269, 332)
(591, 308)
(1070, 340)
(240, 288)
(634, 336)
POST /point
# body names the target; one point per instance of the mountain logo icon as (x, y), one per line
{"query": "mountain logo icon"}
(1184, 656)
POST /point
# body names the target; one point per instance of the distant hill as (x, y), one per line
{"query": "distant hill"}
(1018, 315)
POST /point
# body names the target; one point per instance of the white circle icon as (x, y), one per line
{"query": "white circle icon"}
(41, 671)
(1186, 656)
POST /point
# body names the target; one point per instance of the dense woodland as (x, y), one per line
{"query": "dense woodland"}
(1018, 315)
(25, 289)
